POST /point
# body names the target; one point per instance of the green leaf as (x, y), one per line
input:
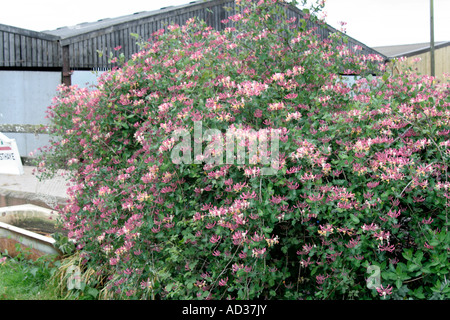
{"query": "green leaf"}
(418, 293)
(412, 267)
(400, 267)
(418, 257)
(354, 218)
(434, 242)
(303, 21)
(169, 286)
(426, 270)
(388, 275)
(407, 254)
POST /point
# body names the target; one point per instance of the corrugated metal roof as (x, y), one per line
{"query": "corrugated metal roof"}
(409, 49)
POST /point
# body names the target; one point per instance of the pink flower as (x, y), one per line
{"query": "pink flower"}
(74, 208)
(248, 195)
(353, 243)
(223, 282)
(427, 221)
(146, 284)
(384, 291)
(128, 271)
(372, 184)
(305, 263)
(321, 278)
(258, 253)
(393, 261)
(387, 248)
(372, 227)
(276, 106)
(426, 245)
(382, 235)
(214, 239)
(393, 214)
(165, 107)
(291, 96)
(277, 199)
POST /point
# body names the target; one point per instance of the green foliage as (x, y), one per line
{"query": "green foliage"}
(24, 279)
(360, 181)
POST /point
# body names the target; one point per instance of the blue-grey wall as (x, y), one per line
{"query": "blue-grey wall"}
(24, 98)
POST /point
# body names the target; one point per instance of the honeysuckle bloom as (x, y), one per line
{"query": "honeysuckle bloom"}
(426, 245)
(321, 278)
(352, 243)
(258, 253)
(113, 261)
(384, 291)
(294, 115)
(276, 106)
(382, 235)
(371, 227)
(272, 241)
(389, 248)
(223, 282)
(394, 214)
(326, 230)
(427, 221)
(277, 77)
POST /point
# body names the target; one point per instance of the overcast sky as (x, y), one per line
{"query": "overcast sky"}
(372, 22)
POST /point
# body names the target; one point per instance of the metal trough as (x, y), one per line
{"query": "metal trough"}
(38, 242)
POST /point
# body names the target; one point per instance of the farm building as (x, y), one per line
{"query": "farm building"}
(33, 64)
(418, 56)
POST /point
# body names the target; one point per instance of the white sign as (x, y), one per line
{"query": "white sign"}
(10, 162)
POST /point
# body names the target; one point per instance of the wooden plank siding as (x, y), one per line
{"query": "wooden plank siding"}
(105, 40)
(421, 62)
(21, 48)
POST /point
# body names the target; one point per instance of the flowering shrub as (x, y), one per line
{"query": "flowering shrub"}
(358, 182)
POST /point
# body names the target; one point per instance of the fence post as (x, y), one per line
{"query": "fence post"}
(66, 74)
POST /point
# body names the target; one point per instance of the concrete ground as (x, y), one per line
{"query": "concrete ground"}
(17, 189)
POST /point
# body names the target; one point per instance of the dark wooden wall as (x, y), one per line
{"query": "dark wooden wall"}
(26, 48)
(83, 48)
